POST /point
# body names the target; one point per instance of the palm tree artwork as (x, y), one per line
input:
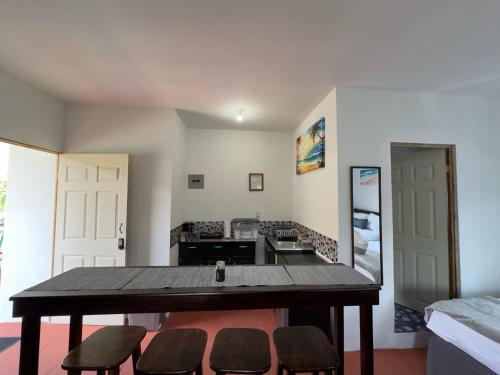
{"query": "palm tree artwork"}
(310, 148)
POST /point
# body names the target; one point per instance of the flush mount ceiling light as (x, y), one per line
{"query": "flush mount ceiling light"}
(239, 116)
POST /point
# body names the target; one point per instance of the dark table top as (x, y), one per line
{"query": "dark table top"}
(143, 278)
(149, 289)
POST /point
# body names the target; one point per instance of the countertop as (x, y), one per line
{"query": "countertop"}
(289, 257)
(305, 247)
(265, 254)
(228, 240)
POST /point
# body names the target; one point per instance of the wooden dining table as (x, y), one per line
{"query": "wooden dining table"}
(105, 290)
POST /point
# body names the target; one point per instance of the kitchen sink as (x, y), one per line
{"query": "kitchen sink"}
(291, 246)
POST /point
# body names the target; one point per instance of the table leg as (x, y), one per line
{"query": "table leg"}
(338, 335)
(75, 334)
(30, 345)
(75, 331)
(366, 336)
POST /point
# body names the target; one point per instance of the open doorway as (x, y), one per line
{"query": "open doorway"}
(4, 167)
(424, 229)
(27, 202)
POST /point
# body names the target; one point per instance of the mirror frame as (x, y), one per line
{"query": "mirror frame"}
(379, 169)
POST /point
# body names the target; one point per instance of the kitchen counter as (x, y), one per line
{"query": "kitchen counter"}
(228, 240)
(274, 255)
(289, 246)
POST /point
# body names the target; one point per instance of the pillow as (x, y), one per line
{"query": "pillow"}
(360, 244)
(373, 222)
(359, 250)
(360, 223)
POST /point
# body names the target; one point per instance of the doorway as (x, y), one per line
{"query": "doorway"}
(424, 230)
(27, 202)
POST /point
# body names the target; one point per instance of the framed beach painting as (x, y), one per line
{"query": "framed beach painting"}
(310, 148)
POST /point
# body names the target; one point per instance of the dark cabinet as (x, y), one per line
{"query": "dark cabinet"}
(209, 252)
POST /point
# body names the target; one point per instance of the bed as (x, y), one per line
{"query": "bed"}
(366, 238)
(466, 337)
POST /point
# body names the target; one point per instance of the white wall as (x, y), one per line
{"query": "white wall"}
(315, 194)
(179, 172)
(365, 197)
(27, 250)
(150, 136)
(368, 121)
(29, 115)
(226, 157)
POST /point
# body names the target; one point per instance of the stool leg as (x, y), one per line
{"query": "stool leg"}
(135, 357)
(280, 369)
(199, 370)
(315, 372)
(114, 371)
(101, 372)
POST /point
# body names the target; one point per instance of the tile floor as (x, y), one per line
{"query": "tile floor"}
(54, 342)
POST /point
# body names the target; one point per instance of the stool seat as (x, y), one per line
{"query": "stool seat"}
(304, 349)
(241, 351)
(105, 349)
(174, 351)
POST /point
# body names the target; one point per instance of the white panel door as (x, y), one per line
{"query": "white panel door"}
(91, 216)
(420, 224)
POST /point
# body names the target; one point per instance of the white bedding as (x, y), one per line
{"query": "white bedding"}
(373, 248)
(478, 346)
(369, 262)
(367, 234)
(364, 272)
(367, 253)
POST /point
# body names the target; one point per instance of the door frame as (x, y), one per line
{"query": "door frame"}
(16, 143)
(453, 246)
(54, 209)
(58, 154)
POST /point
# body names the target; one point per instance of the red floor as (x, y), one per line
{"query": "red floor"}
(54, 341)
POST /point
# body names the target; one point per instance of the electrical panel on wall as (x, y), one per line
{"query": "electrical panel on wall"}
(196, 181)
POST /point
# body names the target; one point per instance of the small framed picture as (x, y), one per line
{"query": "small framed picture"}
(256, 181)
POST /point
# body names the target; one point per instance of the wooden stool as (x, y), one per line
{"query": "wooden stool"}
(304, 349)
(105, 350)
(240, 351)
(174, 351)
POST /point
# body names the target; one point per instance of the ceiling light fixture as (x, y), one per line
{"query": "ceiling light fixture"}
(239, 116)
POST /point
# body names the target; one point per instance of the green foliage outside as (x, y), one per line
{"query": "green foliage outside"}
(3, 195)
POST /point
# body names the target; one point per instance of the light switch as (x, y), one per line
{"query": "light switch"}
(196, 181)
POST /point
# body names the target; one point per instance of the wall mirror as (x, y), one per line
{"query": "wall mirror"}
(366, 222)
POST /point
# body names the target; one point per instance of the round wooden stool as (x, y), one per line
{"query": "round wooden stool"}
(304, 349)
(240, 351)
(174, 351)
(105, 350)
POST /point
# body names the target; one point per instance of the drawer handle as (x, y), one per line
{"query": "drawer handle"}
(243, 246)
(218, 247)
(192, 247)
